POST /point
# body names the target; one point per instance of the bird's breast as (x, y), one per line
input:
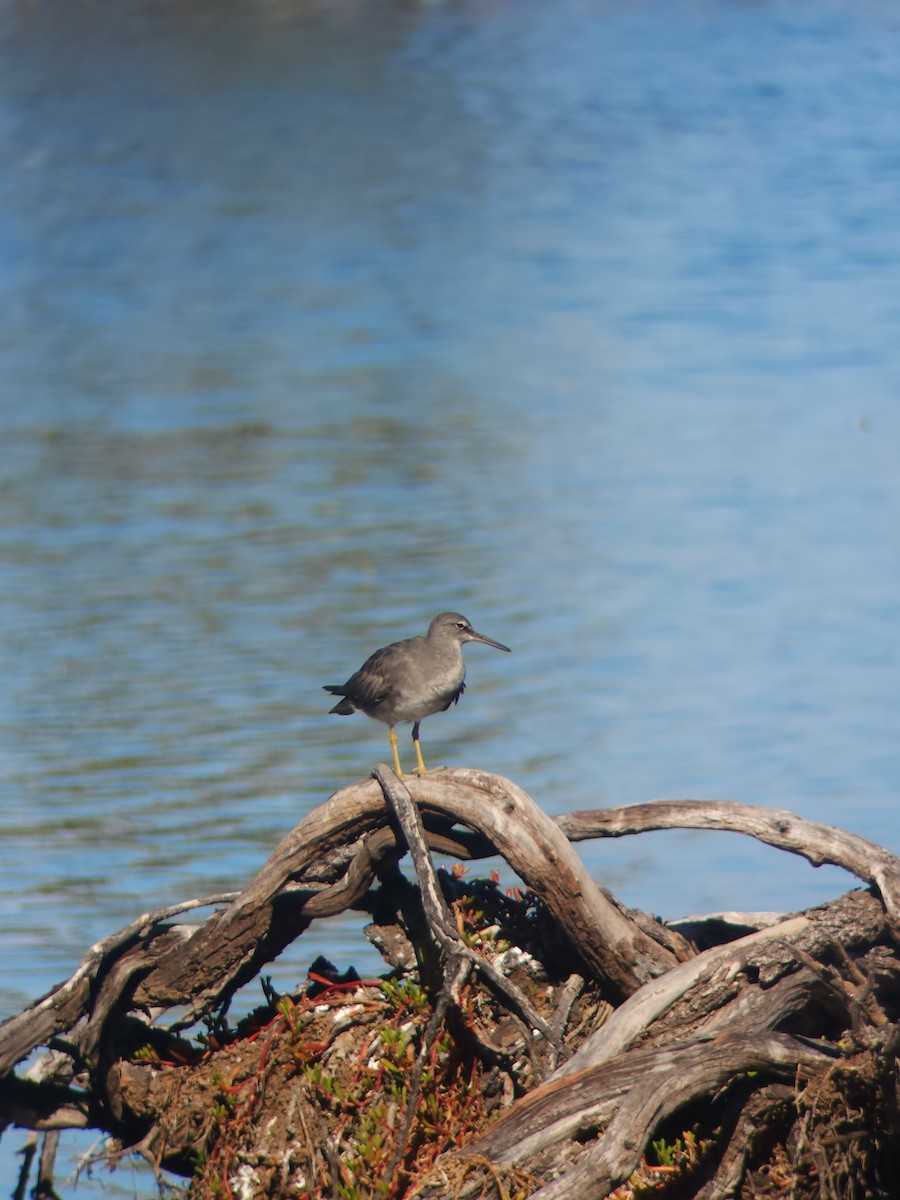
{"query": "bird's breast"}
(423, 692)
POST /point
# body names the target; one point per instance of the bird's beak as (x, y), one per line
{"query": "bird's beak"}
(478, 637)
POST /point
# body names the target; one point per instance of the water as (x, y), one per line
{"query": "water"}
(320, 318)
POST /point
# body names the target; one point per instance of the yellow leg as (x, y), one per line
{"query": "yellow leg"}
(421, 769)
(393, 739)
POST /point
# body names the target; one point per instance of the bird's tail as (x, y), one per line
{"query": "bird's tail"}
(344, 708)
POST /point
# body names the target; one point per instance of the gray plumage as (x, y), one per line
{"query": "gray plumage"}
(410, 680)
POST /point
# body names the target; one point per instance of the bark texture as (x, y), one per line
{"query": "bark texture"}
(538, 1044)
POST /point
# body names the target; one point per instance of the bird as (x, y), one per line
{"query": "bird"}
(410, 680)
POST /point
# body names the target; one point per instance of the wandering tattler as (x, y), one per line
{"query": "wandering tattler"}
(410, 680)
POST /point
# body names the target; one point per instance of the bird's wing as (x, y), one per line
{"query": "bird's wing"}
(372, 682)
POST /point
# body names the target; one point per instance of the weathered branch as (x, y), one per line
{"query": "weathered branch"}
(61, 1008)
(232, 945)
(646, 1007)
(818, 844)
(619, 953)
(628, 1098)
(668, 1081)
(696, 995)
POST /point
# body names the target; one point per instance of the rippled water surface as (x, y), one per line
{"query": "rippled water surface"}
(321, 318)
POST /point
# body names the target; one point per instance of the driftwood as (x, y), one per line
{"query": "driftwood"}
(533, 1045)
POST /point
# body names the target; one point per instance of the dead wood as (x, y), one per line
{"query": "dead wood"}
(65, 1005)
(440, 921)
(705, 1036)
(665, 1046)
(232, 946)
(697, 996)
(628, 1098)
(459, 958)
(817, 843)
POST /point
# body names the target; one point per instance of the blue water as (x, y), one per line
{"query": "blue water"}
(321, 318)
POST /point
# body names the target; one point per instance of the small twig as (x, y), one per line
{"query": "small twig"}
(144, 1149)
(87, 1159)
(865, 998)
(568, 994)
(28, 1152)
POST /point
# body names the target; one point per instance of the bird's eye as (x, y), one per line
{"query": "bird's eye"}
(461, 625)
